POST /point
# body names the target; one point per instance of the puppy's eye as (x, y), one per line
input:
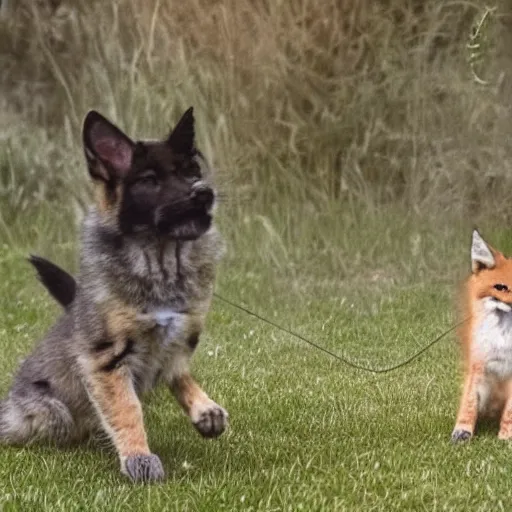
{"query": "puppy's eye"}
(148, 179)
(501, 287)
(191, 171)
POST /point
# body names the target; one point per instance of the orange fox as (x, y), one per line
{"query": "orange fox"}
(487, 342)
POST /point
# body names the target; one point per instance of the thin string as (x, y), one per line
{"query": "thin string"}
(343, 359)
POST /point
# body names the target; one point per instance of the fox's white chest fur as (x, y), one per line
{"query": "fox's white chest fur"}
(492, 338)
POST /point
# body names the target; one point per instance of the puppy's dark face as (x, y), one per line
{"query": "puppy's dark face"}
(160, 187)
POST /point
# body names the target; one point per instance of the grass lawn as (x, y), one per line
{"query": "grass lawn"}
(307, 433)
(355, 149)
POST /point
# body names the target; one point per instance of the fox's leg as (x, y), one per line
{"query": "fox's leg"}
(112, 393)
(209, 418)
(474, 385)
(505, 431)
(35, 415)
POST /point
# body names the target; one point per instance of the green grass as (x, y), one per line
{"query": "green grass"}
(307, 433)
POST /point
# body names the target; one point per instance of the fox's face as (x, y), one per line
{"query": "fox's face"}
(492, 275)
(160, 187)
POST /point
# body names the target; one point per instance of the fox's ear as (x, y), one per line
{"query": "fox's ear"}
(107, 149)
(482, 256)
(181, 138)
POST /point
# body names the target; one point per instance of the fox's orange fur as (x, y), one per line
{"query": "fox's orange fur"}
(486, 339)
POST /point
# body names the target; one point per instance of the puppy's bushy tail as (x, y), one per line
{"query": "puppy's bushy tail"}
(60, 284)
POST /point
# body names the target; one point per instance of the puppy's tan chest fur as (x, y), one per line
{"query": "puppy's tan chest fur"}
(145, 340)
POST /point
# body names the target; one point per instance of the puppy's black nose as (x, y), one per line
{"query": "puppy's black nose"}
(203, 197)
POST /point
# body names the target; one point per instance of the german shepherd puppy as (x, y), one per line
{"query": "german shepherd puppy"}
(134, 316)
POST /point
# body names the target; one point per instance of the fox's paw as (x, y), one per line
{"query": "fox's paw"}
(461, 435)
(505, 434)
(143, 468)
(210, 419)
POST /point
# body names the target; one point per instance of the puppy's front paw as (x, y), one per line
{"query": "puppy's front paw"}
(143, 468)
(210, 419)
(461, 436)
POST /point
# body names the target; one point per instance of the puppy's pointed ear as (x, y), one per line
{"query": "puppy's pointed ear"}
(107, 149)
(182, 137)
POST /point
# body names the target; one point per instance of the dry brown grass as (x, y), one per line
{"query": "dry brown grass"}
(311, 109)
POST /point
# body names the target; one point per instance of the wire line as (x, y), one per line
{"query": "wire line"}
(343, 359)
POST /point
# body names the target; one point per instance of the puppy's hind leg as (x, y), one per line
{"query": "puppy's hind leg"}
(34, 415)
